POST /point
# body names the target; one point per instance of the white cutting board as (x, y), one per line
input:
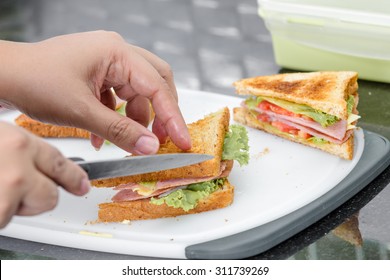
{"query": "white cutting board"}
(281, 177)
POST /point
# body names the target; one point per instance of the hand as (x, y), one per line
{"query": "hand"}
(30, 171)
(67, 79)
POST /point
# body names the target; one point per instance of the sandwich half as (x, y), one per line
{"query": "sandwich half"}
(317, 109)
(187, 190)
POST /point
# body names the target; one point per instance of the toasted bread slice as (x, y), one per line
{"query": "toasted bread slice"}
(345, 150)
(50, 130)
(144, 210)
(56, 131)
(207, 136)
(323, 91)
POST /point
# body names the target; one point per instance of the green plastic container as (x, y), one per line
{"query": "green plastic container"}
(316, 35)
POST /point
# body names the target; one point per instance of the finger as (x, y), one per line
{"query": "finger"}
(9, 198)
(107, 98)
(138, 109)
(96, 141)
(25, 192)
(166, 73)
(41, 197)
(159, 129)
(61, 170)
(120, 130)
(162, 68)
(8, 207)
(145, 80)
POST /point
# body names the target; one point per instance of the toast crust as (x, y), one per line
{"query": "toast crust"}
(144, 210)
(207, 136)
(324, 91)
(49, 130)
(345, 150)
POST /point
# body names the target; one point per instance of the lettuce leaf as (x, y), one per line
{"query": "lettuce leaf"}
(318, 140)
(188, 198)
(322, 118)
(252, 102)
(235, 145)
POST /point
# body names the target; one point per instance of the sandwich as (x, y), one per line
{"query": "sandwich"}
(317, 109)
(186, 190)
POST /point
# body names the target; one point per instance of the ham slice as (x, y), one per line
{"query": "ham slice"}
(314, 132)
(127, 192)
(336, 131)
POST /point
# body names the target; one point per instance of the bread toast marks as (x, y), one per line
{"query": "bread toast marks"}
(324, 91)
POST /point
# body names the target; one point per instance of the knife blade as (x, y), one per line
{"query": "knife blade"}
(133, 165)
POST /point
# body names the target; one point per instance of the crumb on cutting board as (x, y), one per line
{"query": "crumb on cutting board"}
(96, 234)
(264, 152)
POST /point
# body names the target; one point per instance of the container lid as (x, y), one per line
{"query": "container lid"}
(375, 12)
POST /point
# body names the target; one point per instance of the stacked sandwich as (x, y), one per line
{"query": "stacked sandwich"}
(187, 190)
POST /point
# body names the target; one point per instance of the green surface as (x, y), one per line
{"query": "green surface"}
(374, 107)
(292, 55)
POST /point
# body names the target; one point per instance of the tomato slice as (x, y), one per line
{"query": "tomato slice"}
(263, 117)
(268, 106)
(283, 127)
(304, 135)
(264, 105)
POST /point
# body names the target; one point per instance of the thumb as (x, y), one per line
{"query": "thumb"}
(121, 130)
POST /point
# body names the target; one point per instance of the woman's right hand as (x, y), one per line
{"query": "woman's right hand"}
(30, 172)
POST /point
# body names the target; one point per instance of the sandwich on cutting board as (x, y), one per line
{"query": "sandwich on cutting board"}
(317, 109)
(186, 190)
(169, 193)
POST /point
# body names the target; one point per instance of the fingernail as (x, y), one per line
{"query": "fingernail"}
(146, 145)
(98, 146)
(85, 186)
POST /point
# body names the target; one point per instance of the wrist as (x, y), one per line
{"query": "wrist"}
(11, 73)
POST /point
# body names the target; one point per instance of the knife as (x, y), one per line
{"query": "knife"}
(133, 165)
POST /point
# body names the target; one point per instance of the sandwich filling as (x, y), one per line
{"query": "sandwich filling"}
(302, 121)
(186, 192)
